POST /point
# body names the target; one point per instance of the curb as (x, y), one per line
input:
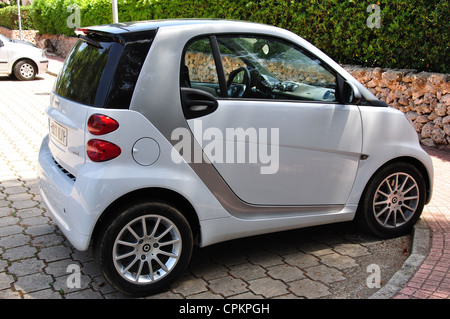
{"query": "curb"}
(420, 248)
(52, 73)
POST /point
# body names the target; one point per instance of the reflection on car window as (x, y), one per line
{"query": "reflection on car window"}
(272, 69)
(104, 75)
(199, 70)
(257, 68)
(83, 72)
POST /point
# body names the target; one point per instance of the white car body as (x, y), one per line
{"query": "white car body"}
(13, 51)
(328, 152)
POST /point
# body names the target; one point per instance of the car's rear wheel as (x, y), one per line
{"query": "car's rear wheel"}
(393, 201)
(145, 248)
(25, 70)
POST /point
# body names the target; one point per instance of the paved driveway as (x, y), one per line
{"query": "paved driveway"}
(336, 261)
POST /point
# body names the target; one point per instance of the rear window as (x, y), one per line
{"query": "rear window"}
(104, 75)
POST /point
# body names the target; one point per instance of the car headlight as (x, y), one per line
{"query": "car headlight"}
(43, 54)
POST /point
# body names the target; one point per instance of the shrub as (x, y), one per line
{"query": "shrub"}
(9, 18)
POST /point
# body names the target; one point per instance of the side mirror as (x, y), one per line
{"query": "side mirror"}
(1, 43)
(351, 93)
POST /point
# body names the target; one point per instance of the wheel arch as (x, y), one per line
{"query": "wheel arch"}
(364, 214)
(25, 59)
(160, 194)
(416, 163)
(29, 60)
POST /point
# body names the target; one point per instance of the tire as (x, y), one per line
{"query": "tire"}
(392, 201)
(144, 248)
(25, 70)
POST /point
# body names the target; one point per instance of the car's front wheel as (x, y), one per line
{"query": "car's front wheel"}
(393, 201)
(145, 248)
(25, 70)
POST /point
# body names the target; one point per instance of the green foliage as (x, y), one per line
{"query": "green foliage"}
(9, 18)
(413, 33)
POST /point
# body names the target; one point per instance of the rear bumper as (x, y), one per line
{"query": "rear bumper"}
(56, 189)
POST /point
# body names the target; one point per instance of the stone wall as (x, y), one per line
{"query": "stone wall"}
(27, 35)
(57, 44)
(423, 97)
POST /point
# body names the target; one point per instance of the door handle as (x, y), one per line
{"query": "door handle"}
(197, 103)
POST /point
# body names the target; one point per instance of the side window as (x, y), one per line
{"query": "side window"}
(267, 68)
(199, 70)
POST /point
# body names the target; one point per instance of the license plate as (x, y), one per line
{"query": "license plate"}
(58, 132)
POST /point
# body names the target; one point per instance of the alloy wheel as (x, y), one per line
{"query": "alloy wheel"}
(396, 200)
(27, 71)
(147, 249)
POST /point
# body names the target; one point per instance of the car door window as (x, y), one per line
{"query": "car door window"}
(268, 68)
(199, 69)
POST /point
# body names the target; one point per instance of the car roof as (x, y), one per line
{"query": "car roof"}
(137, 26)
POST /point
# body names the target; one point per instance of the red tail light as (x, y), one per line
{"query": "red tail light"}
(100, 151)
(99, 124)
(81, 31)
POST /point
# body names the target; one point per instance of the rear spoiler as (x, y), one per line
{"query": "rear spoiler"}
(83, 34)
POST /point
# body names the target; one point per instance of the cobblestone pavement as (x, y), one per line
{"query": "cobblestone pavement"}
(334, 261)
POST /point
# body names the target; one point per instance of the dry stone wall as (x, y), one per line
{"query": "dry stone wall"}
(57, 44)
(27, 35)
(423, 97)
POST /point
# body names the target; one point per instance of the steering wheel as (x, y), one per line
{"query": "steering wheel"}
(239, 90)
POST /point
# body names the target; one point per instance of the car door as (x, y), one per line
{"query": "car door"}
(279, 135)
(3, 55)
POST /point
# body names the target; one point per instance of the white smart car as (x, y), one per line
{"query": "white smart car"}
(22, 59)
(169, 134)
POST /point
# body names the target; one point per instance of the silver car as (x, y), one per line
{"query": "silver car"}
(168, 134)
(22, 59)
